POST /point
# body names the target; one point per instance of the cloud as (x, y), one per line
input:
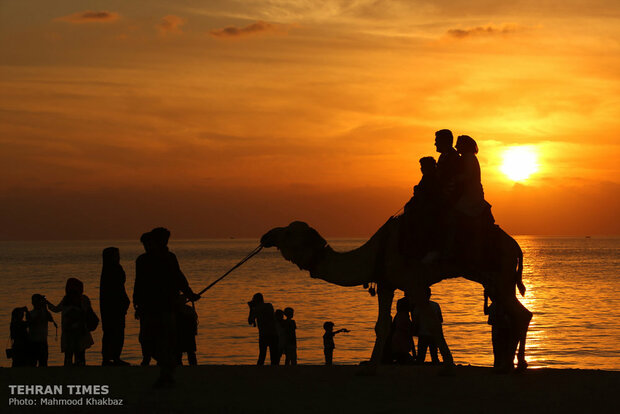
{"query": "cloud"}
(171, 24)
(89, 16)
(254, 29)
(485, 31)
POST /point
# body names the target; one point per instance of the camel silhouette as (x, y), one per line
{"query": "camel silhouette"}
(381, 261)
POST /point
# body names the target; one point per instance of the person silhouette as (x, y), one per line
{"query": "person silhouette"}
(402, 334)
(281, 331)
(147, 353)
(471, 201)
(448, 169)
(420, 238)
(448, 165)
(291, 346)
(113, 302)
(328, 341)
(75, 337)
(425, 337)
(159, 280)
(262, 315)
(20, 342)
(187, 329)
(38, 319)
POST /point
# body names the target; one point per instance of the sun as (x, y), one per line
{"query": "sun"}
(519, 162)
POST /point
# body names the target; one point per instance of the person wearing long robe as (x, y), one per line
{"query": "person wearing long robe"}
(113, 302)
(75, 337)
(471, 201)
(159, 281)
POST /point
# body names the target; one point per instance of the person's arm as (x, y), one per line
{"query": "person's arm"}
(54, 308)
(439, 314)
(252, 316)
(182, 283)
(50, 318)
(341, 330)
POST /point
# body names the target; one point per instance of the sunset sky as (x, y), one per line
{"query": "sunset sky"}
(226, 118)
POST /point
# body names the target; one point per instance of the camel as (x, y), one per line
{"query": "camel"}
(381, 261)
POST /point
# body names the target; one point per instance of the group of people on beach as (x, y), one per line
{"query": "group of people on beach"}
(276, 331)
(168, 325)
(279, 334)
(405, 326)
(448, 195)
(29, 328)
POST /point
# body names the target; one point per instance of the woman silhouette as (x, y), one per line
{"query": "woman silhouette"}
(471, 202)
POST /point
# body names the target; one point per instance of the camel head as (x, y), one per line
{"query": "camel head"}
(298, 243)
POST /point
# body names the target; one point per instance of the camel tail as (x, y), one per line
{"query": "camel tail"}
(520, 284)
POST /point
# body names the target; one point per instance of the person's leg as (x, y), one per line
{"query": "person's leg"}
(180, 359)
(80, 358)
(68, 358)
(329, 356)
(432, 349)
(167, 347)
(191, 358)
(422, 345)
(114, 336)
(293, 357)
(120, 338)
(44, 355)
(105, 339)
(274, 352)
(262, 350)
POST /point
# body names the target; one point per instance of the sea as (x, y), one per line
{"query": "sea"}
(573, 289)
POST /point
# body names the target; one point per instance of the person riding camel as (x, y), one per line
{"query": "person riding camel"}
(473, 213)
(420, 214)
(471, 201)
(448, 165)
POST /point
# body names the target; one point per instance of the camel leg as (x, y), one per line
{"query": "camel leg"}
(382, 327)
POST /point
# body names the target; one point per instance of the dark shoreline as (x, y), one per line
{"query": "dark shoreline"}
(319, 389)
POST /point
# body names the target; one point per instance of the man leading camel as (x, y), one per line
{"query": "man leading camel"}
(156, 297)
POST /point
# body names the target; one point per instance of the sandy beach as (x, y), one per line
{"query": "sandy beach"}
(318, 389)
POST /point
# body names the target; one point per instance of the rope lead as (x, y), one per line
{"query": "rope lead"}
(245, 259)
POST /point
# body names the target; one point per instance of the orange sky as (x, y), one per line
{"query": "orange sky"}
(229, 118)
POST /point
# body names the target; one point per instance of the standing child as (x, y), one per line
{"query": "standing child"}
(187, 329)
(20, 343)
(328, 341)
(38, 321)
(402, 334)
(425, 337)
(262, 315)
(291, 336)
(75, 337)
(281, 331)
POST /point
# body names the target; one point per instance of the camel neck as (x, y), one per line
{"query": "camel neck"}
(351, 268)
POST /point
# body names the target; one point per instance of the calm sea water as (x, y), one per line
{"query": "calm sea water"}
(573, 289)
